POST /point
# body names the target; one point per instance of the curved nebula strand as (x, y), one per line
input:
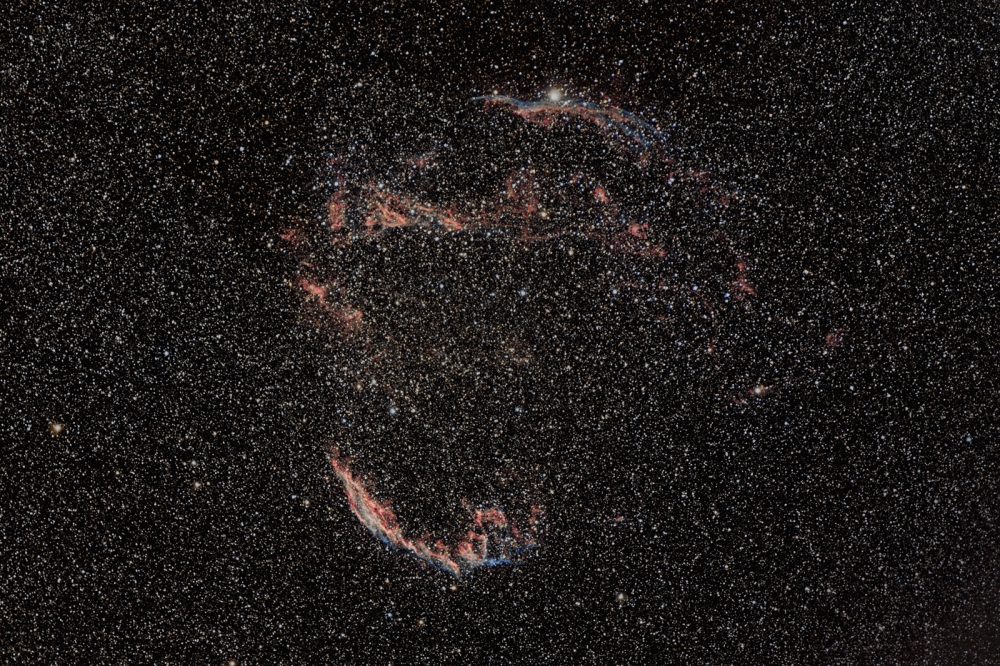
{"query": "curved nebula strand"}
(605, 118)
(491, 538)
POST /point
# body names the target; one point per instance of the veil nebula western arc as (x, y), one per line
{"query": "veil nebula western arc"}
(473, 288)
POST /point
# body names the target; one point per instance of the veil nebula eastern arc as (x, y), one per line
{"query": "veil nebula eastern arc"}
(422, 204)
(491, 538)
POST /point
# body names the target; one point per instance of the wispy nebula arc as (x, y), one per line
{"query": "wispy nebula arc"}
(491, 539)
(606, 118)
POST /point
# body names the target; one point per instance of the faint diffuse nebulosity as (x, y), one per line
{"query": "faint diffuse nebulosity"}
(494, 297)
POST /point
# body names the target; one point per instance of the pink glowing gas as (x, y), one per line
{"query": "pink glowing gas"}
(491, 538)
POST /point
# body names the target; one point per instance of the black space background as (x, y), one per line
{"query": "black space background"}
(144, 303)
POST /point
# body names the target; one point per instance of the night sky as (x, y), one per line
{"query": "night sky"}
(425, 333)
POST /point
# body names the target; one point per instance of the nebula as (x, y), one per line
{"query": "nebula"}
(490, 539)
(616, 124)
(460, 286)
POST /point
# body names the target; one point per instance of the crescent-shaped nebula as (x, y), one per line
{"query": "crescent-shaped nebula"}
(626, 129)
(491, 539)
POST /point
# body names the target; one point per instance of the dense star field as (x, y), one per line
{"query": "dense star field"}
(404, 333)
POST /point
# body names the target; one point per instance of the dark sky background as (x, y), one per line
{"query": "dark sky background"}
(186, 513)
